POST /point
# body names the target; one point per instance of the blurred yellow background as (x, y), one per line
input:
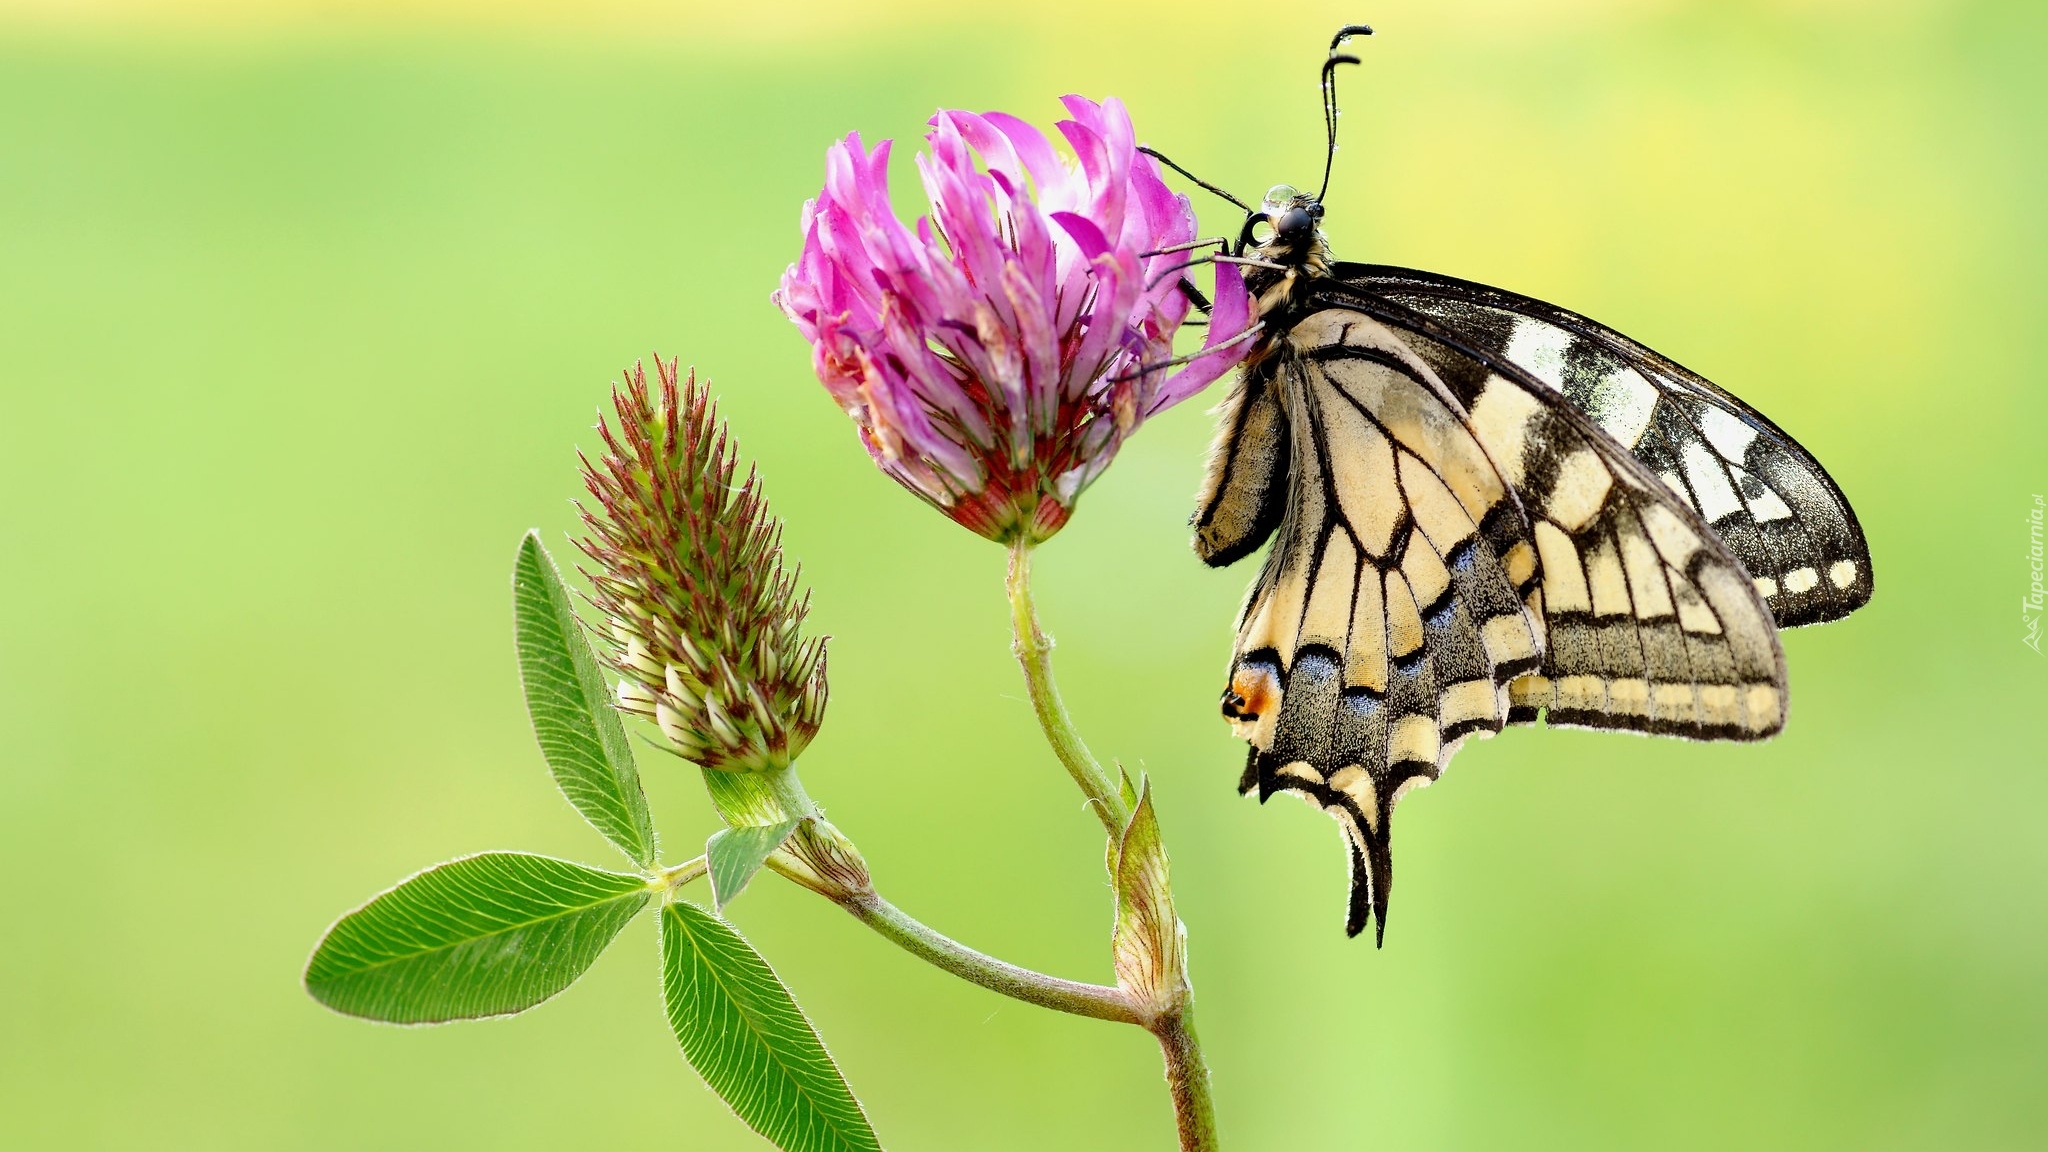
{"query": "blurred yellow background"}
(308, 306)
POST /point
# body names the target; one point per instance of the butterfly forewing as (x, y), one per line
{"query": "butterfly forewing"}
(1762, 494)
(1652, 624)
(1461, 549)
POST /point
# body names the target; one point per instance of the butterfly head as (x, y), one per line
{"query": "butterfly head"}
(1284, 240)
(1287, 229)
(1285, 234)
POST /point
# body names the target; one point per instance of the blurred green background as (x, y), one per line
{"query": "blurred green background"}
(305, 310)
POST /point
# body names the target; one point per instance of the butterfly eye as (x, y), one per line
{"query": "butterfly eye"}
(1295, 225)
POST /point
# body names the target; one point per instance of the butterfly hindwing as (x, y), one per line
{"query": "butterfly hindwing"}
(1762, 494)
(1392, 611)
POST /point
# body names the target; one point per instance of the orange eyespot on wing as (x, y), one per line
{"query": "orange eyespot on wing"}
(1254, 691)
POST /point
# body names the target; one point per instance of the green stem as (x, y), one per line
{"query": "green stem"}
(1034, 651)
(1095, 1000)
(1187, 1073)
(1187, 1077)
(672, 879)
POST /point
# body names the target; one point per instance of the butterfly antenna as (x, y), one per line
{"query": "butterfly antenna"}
(1206, 186)
(1330, 95)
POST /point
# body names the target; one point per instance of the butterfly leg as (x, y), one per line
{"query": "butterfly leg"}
(1219, 258)
(1183, 266)
(1207, 350)
(1221, 242)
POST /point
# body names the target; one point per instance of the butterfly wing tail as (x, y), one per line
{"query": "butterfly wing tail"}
(1372, 875)
(1365, 834)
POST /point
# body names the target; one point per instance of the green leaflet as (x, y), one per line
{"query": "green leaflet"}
(735, 854)
(485, 935)
(580, 734)
(748, 1039)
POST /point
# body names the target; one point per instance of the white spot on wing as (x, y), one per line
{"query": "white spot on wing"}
(1842, 573)
(1327, 619)
(1729, 436)
(1800, 579)
(1539, 348)
(1621, 403)
(1766, 587)
(1645, 576)
(1710, 482)
(1603, 576)
(1675, 542)
(1768, 507)
(1693, 613)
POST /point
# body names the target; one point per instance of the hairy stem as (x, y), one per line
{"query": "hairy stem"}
(1034, 651)
(672, 879)
(1095, 1000)
(1187, 1077)
(1187, 1073)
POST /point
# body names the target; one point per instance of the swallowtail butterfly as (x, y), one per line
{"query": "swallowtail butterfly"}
(1485, 509)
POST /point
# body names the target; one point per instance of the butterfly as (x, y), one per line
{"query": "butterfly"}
(1484, 509)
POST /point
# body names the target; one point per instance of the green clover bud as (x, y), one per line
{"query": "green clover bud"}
(705, 625)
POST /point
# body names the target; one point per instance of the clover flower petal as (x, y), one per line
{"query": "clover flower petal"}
(994, 357)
